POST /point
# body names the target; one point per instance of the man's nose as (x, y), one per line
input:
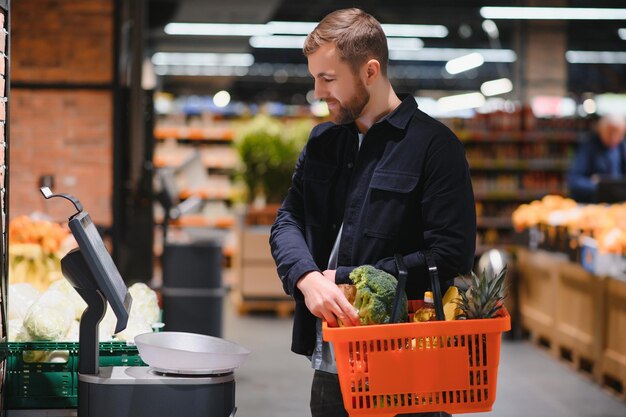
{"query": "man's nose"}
(319, 92)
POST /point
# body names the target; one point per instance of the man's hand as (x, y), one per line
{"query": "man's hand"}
(325, 300)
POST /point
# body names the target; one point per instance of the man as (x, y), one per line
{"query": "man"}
(603, 155)
(382, 178)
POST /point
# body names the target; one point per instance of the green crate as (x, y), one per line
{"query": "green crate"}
(52, 385)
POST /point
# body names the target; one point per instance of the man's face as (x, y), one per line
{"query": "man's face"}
(343, 91)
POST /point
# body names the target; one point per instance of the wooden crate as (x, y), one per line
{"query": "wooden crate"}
(578, 317)
(538, 273)
(613, 348)
(258, 287)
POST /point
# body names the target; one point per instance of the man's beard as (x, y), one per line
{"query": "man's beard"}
(353, 109)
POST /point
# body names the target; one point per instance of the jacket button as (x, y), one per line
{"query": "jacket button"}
(350, 164)
(334, 226)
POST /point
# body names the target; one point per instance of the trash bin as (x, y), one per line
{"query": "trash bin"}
(192, 289)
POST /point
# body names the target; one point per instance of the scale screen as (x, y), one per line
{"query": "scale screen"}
(108, 278)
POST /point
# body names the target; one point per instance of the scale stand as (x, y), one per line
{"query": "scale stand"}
(119, 391)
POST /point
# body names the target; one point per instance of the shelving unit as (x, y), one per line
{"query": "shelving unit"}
(4, 178)
(514, 158)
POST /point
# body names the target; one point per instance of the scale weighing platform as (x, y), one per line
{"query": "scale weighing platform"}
(191, 375)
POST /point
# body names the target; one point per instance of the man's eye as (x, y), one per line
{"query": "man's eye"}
(328, 80)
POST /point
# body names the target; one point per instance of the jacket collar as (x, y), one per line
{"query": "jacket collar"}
(398, 118)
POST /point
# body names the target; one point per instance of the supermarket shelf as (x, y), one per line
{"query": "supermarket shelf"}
(209, 162)
(207, 194)
(217, 134)
(545, 164)
(518, 136)
(494, 222)
(203, 221)
(513, 195)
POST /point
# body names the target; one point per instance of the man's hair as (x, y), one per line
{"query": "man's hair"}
(357, 35)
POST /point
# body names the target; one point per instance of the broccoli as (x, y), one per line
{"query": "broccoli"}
(375, 293)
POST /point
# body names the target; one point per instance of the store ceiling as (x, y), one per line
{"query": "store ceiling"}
(462, 19)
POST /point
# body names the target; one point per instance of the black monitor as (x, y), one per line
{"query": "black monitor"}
(611, 190)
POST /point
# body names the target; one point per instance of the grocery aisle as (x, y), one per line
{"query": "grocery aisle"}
(275, 383)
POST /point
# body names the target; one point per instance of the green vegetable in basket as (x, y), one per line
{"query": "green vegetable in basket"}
(375, 291)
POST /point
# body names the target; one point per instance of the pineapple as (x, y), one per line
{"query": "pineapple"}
(484, 297)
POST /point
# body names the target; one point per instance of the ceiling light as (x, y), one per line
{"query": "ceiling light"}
(491, 29)
(589, 106)
(216, 29)
(221, 98)
(447, 54)
(552, 13)
(622, 33)
(495, 87)
(283, 41)
(292, 28)
(297, 42)
(461, 102)
(419, 31)
(464, 63)
(202, 59)
(595, 57)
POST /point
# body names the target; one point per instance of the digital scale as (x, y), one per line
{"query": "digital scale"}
(191, 375)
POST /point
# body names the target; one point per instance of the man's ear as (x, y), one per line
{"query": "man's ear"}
(372, 71)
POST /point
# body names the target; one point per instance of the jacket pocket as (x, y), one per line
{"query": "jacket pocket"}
(389, 202)
(317, 178)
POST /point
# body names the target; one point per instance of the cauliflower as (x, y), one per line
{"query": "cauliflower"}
(145, 303)
(136, 326)
(20, 297)
(375, 291)
(49, 317)
(79, 305)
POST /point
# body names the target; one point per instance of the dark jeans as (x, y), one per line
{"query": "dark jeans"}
(326, 399)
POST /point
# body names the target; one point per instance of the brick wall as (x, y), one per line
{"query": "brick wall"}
(63, 132)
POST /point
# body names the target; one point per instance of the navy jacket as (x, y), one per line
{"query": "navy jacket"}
(407, 189)
(592, 157)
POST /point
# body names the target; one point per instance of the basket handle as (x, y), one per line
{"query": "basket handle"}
(433, 272)
(400, 289)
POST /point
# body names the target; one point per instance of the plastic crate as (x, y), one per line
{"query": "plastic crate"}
(391, 369)
(53, 384)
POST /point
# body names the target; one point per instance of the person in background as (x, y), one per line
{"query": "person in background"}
(381, 178)
(602, 155)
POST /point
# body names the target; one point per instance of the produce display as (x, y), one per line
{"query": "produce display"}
(35, 251)
(43, 306)
(604, 223)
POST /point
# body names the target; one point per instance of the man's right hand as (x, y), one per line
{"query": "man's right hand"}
(326, 301)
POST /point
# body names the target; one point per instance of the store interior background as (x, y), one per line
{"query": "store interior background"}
(104, 101)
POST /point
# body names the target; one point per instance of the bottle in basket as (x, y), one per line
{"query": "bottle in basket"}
(427, 311)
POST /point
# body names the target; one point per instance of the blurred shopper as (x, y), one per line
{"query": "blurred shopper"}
(601, 156)
(381, 178)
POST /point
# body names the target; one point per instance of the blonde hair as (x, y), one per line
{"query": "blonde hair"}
(357, 35)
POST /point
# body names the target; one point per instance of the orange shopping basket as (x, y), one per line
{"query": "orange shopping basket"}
(391, 369)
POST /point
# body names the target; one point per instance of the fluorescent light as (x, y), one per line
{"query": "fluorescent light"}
(293, 28)
(446, 54)
(419, 31)
(290, 28)
(552, 13)
(622, 33)
(202, 59)
(283, 41)
(461, 101)
(491, 29)
(595, 57)
(495, 87)
(202, 71)
(404, 44)
(216, 29)
(465, 63)
(296, 42)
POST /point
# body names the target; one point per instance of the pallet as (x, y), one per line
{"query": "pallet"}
(578, 362)
(280, 307)
(616, 386)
